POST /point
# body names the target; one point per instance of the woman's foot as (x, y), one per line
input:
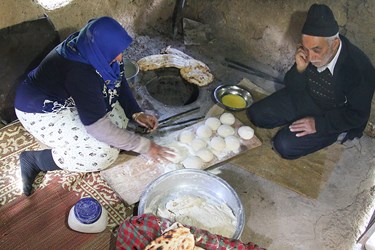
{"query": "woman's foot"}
(29, 171)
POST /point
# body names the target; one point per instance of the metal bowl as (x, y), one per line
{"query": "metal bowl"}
(224, 90)
(131, 70)
(181, 182)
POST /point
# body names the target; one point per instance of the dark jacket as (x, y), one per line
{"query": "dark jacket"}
(354, 79)
(57, 80)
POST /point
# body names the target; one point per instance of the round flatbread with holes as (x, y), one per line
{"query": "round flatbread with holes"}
(196, 72)
(174, 239)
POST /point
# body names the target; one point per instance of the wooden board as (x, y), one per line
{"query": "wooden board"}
(130, 178)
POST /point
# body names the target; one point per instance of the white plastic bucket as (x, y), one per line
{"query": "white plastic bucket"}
(88, 216)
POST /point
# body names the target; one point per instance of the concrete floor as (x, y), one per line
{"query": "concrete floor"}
(278, 218)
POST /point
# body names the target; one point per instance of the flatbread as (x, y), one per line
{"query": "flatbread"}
(162, 61)
(174, 239)
(197, 73)
(191, 70)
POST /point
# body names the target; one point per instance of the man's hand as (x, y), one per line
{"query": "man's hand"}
(302, 59)
(304, 126)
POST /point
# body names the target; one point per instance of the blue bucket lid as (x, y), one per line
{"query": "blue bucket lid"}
(87, 210)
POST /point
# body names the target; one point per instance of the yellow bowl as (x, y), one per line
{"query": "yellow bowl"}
(232, 97)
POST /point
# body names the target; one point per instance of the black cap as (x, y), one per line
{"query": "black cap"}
(320, 22)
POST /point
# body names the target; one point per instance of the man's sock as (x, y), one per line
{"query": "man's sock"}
(32, 162)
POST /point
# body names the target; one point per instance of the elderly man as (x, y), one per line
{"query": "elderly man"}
(328, 91)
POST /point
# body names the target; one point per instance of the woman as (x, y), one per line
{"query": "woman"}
(74, 102)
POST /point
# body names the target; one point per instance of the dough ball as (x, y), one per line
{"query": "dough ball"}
(179, 152)
(197, 144)
(217, 143)
(193, 162)
(225, 130)
(213, 122)
(204, 131)
(246, 132)
(205, 154)
(232, 143)
(186, 136)
(227, 118)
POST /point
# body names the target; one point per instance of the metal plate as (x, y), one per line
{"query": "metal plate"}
(223, 90)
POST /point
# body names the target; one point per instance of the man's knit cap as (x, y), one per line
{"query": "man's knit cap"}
(320, 22)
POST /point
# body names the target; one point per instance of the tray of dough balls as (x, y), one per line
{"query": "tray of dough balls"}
(209, 142)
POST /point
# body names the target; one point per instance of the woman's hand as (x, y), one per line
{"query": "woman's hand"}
(159, 153)
(148, 121)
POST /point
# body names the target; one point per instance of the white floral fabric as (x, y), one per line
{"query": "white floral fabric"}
(73, 149)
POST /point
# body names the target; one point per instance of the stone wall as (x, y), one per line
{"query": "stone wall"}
(134, 15)
(269, 30)
(265, 31)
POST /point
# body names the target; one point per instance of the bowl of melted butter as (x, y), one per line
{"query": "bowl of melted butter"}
(232, 97)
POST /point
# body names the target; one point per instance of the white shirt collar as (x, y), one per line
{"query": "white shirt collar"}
(331, 65)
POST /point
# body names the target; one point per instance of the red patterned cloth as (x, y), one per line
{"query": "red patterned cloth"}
(138, 231)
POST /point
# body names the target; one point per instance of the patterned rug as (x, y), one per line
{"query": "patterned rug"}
(13, 140)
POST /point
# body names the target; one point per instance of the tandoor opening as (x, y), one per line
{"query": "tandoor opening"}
(168, 87)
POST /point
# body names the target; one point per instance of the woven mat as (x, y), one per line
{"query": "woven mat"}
(63, 186)
(40, 222)
(306, 175)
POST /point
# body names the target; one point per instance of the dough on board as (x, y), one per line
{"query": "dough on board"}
(213, 122)
(193, 162)
(186, 136)
(225, 130)
(246, 132)
(204, 131)
(197, 144)
(217, 143)
(227, 119)
(232, 143)
(205, 154)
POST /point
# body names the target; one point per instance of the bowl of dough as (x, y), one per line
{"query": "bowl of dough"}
(196, 198)
(232, 97)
